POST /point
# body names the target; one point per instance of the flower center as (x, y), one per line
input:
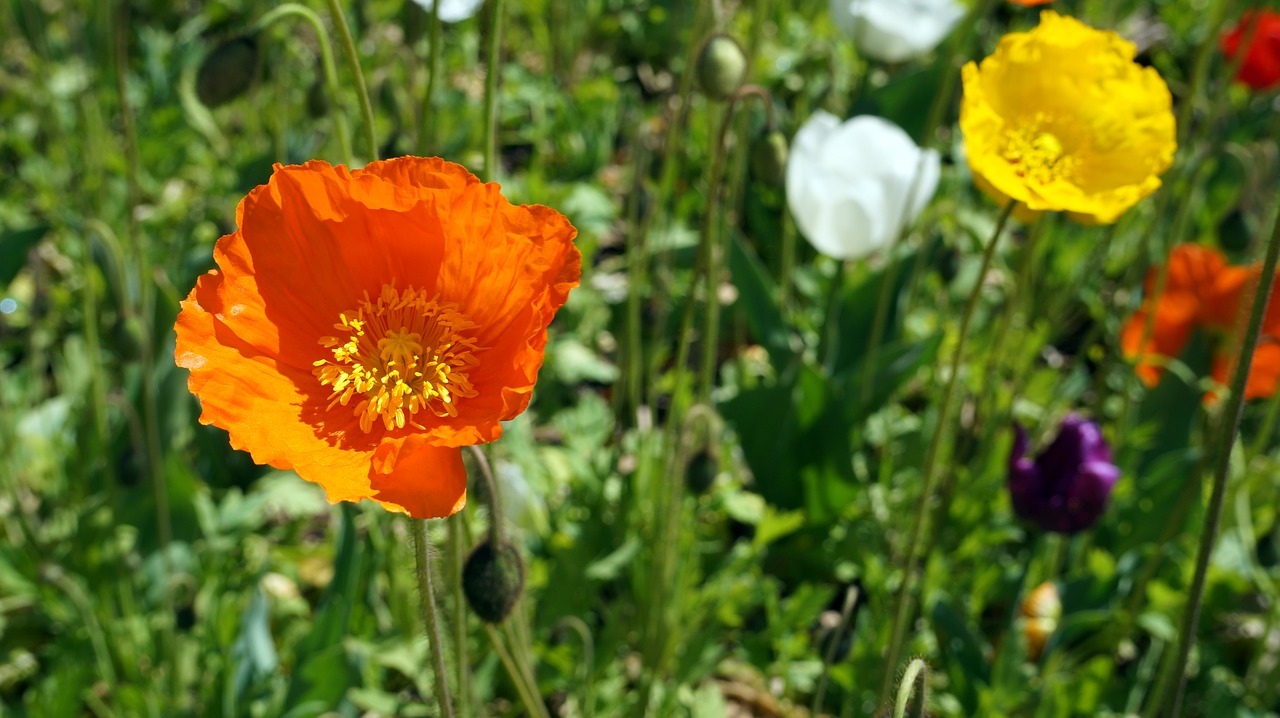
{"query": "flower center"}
(398, 355)
(1037, 155)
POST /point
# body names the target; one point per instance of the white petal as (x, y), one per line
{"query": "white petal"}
(896, 30)
(453, 10)
(852, 186)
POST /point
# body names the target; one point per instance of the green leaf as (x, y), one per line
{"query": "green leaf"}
(759, 298)
(14, 246)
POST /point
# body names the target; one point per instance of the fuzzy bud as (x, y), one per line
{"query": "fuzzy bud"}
(769, 158)
(700, 472)
(722, 67)
(229, 71)
(492, 580)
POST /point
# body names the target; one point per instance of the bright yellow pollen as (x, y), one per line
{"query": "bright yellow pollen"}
(1037, 155)
(399, 355)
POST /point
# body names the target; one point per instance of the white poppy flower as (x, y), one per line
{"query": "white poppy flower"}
(896, 30)
(453, 10)
(853, 186)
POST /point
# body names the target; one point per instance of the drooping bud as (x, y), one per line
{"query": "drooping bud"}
(700, 472)
(1040, 612)
(229, 71)
(492, 580)
(722, 66)
(769, 158)
(1236, 231)
(1066, 488)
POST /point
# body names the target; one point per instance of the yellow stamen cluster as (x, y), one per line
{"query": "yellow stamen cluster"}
(398, 355)
(1038, 155)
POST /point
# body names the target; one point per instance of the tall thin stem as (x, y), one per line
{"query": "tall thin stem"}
(1230, 427)
(362, 91)
(427, 602)
(906, 596)
(426, 130)
(326, 62)
(492, 72)
(458, 540)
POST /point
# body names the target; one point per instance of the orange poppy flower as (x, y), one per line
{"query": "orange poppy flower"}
(364, 325)
(1202, 292)
(1030, 3)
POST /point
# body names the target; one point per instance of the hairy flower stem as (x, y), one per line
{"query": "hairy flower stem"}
(1230, 426)
(427, 602)
(917, 672)
(495, 498)
(458, 541)
(426, 127)
(905, 600)
(362, 90)
(491, 73)
(588, 663)
(340, 130)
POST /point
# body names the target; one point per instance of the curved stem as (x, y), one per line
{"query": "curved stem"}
(1222, 471)
(577, 625)
(906, 597)
(427, 602)
(917, 672)
(326, 61)
(426, 130)
(492, 72)
(495, 499)
(362, 91)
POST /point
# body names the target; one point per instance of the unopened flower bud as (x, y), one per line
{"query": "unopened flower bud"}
(1040, 613)
(722, 67)
(1236, 231)
(492, 580)
(700, 472)
(228, 72)
(1066, 488)
(769, 158)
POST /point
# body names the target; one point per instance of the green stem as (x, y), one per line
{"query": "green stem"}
(326, 61)
(458, 541)
(711, 255)
(917, 672)
(362, 91)
(906, 598)
(426, 131)
(495, 498)
(942, 99)
(427, 602)
(492, 72)
(577, 625)
(1230, 426)
(828, 656)
(532, 705)
(637, 280)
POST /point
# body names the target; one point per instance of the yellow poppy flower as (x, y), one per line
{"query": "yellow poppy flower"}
(1062, 119)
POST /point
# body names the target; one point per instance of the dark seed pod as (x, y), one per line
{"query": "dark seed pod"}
(492, 581)
(769, 158)
(722, 67)
(1236, 231)
(229, 71)
(700, 472)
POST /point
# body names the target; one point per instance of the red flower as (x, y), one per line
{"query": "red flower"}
(362, 325)
(1261, 66)
(1203, 292)
(1030, 3)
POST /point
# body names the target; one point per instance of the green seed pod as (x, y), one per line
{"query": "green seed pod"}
(700, 472)
(722, 67)
(1235, 231)
(769, 158)
(492, 581)
(229, 71)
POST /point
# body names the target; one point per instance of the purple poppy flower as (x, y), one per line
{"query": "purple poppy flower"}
(1064, 489)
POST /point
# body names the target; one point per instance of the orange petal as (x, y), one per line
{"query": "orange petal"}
(414, 477)
(257, 398)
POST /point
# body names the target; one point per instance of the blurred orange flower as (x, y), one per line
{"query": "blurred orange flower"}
(1202, 292)
(364, 325)
(1030, 3)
